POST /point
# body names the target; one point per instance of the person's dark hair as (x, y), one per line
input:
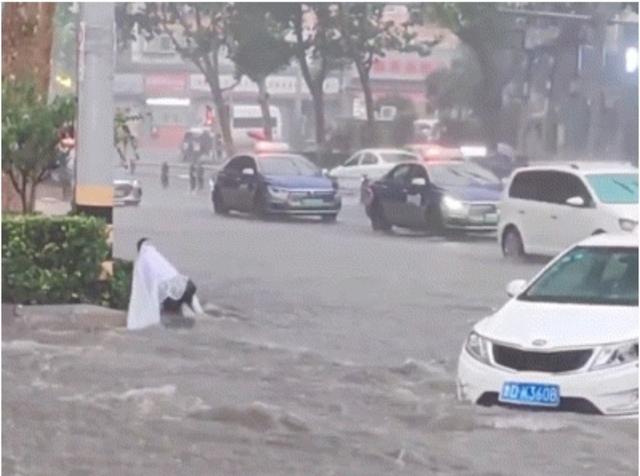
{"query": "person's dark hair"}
(140, 242)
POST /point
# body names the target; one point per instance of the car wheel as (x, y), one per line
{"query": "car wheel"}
(512, 246)
(435, 222)
(332, 218)
(218, 204)
(378, 220)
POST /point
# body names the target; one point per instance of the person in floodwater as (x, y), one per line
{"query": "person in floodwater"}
(192, 177)
(157, 285)
(164, 175)
(200, 174)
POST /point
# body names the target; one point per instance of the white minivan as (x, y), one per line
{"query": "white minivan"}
(545, 208)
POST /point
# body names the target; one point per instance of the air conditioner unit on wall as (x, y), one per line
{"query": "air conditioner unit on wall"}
(386, 113)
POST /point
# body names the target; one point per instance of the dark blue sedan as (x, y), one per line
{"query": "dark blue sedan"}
(275, 184)
(439, 197)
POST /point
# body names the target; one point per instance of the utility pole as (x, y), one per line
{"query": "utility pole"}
(95, 149)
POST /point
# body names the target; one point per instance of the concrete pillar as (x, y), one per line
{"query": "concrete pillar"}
(95, 149)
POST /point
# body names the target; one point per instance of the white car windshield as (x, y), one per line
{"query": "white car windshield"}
(396, 157)
(615, 188)
(589, 275)
(461, 174)
(286, 165)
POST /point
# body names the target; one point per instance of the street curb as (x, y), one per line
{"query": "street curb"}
(64, 316)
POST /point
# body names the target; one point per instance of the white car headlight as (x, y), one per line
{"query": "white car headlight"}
(627, 225)
(453, 206)
(478, 347)
(279, 193)
(616, 354)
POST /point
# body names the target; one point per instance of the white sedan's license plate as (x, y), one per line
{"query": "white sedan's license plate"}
(312, 202)
(536, 394)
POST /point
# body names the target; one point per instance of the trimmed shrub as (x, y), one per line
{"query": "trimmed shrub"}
(51, 260)
(119, 288)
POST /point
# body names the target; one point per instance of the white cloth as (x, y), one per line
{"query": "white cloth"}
(154, 279)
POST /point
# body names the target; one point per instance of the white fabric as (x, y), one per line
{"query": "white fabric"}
(154, 279)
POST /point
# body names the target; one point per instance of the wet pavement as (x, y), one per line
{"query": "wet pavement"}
(327, 350)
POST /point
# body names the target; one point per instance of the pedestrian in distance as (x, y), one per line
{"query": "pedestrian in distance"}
(164, 174)
(192, 177)
(200, 174)
(157, 286)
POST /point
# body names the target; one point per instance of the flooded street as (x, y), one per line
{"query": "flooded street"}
(328, 350)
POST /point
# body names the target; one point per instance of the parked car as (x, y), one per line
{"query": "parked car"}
(547, 207)
(275, 183)
(126, 192)
(372, 163)
(436, 196)
(197, 142)
(568, 340)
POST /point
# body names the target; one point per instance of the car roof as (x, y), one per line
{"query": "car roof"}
(387, 151)
(583, 167)
(623, 240)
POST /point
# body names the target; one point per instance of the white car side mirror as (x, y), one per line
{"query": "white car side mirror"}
(516, 287)
(249, 172)
(575, 202)
(419, 182)
(325, 172)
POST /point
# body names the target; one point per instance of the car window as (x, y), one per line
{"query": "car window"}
(532, 185)
(615, 188)
(396, 157)
(572, 186)
(589, 275)
(236, 164)
(368, 159)
(400, 174)
(418, 171)
(352, 161)
(286, 165)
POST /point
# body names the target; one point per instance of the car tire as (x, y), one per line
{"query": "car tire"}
(435, 222)
(219, 207)
(259, 207)
(378, 221)
(331, 218)
(512, 245)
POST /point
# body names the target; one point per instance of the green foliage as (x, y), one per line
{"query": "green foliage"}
(48, 260)
(30, 128)
(119, 286)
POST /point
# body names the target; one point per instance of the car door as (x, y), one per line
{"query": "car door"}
(228, 182)
(419, 197)
(565, 224)
(247, 185)
(527, 206)
(393, 195)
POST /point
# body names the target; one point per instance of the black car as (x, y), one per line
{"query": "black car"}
(275, 184)
(437, 196)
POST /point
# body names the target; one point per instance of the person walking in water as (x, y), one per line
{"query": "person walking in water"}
(200, 173)
(157, 286)
(164, 175)
(192, 178)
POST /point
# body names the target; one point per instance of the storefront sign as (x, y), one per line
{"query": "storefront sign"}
(131, 84)
(165, 84)
(404, 66)
(276, 85)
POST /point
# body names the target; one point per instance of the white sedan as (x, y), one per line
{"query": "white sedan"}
(568, 340)
(372, 163)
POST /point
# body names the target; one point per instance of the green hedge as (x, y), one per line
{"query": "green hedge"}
(119, 287)
(51, 260)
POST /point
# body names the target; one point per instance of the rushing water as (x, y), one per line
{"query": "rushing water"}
(203, 401)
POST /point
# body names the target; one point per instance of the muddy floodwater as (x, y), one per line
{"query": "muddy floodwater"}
(203, 401)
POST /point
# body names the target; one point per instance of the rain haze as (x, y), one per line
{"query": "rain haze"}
(379, 238)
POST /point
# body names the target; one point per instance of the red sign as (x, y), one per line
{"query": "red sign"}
(165, 84)
(409, 67)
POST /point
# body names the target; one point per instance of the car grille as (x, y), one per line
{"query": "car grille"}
(482, 209)
(563, 361)
(325, 195)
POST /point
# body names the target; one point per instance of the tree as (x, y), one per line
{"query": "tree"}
(258, 50)
(200, 34)
(311, 30)
(365, 34)
(30, 135)
(488, 34)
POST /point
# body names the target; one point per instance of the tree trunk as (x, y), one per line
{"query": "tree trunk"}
(31, 200)
(213, 80)
(263, 100)
(317, 95)
(363, 75)
(27, 37)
